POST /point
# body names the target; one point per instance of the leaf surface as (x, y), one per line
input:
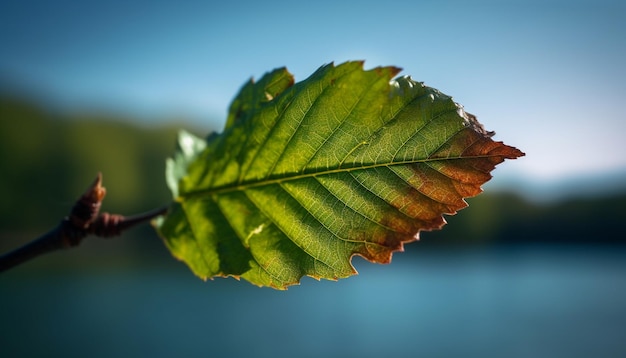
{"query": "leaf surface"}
(305, 176)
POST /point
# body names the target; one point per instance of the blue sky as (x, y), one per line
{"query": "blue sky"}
(547, 76)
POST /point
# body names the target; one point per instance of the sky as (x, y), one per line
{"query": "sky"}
(547, 76)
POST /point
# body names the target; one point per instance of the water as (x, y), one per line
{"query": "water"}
(524, 302)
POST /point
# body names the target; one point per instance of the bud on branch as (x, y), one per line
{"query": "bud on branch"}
(84, 219)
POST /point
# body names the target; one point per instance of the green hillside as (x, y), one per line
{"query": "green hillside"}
(510, 219)
(47, 160)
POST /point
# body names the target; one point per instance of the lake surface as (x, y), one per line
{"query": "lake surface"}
(514, 302)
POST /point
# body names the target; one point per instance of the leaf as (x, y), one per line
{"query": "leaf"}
(188, 148)
(304, 176)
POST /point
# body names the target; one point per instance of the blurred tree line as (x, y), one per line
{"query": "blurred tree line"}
(506, 218)
(48, 159)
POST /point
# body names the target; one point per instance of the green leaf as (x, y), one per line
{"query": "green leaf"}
(306, 175)
(188, 148)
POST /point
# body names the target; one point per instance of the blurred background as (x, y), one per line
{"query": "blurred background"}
(535, 267)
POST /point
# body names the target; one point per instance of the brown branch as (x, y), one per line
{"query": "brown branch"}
(84, 219)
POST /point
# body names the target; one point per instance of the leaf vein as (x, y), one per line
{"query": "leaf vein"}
(342, 121)
(328, 229)
(323, 88)
(195, 236)
(279, 116)
(275, 222)
(242, 239)
(380, 197)
(347, 204)
(417, 189)
(419, 131)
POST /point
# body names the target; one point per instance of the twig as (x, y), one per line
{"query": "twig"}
(84, 219)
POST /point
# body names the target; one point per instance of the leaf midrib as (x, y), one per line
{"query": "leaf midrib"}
(299, 176)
